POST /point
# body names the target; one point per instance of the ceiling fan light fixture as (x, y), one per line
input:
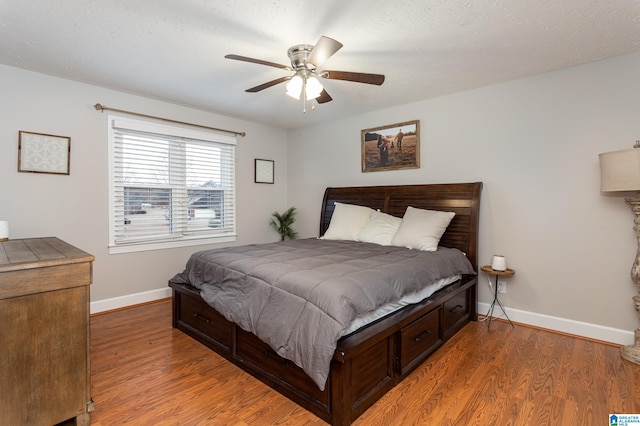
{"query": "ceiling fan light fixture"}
(313, 88)
(294, 86)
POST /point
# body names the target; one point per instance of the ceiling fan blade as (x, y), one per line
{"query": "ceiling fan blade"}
(258, 61)
(359, 77)
(268, 84)
(323, 50)
(324, 97)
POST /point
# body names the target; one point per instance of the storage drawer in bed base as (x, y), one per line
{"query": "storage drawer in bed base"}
(195, 317)
(366, 365)
(456, 312)
(418, 340)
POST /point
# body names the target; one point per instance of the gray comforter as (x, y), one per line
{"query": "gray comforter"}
(300, 296)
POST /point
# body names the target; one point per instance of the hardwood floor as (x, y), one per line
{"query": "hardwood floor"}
(146, 373)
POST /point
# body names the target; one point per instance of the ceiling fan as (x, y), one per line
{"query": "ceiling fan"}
(305, 62)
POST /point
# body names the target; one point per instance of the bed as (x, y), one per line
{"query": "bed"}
(365, 362)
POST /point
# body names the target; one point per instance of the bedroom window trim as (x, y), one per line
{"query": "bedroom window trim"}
(169, 186)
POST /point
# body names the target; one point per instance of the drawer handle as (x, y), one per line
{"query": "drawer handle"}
(418, 338)
(201, 317)
(456, 308)
(274, 356)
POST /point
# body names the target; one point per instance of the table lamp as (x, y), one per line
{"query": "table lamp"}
(620, 172)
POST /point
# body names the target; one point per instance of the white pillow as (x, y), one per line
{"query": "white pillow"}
(421, 229)
(380, 229)
(347, 221)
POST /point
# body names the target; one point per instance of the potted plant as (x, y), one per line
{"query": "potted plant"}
(283, 224)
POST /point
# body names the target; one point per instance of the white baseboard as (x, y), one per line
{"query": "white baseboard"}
(129, 300)
(563, 325)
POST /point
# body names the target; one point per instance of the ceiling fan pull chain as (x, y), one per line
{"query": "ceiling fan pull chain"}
(304, 95)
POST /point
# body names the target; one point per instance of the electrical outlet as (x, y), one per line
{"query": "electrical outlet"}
(502, 287)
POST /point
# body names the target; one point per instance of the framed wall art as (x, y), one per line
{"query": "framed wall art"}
(391, 147)
(264, 171)
(42, 153)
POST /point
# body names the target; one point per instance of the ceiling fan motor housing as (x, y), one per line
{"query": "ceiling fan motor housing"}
(298, 55)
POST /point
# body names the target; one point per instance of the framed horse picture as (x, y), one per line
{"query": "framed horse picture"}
(391, 147)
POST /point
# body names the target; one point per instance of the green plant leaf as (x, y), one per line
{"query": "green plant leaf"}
(283, 223)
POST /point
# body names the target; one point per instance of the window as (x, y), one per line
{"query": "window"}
(170, 186)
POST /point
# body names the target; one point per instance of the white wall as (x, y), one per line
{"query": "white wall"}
(534, 142)
(74, 208)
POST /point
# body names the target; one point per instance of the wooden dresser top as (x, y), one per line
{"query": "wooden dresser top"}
(32, 253)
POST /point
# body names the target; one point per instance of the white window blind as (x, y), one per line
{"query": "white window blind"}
(169, 185)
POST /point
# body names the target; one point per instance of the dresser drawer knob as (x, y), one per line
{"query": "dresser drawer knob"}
(201, 317)
(418, 338)
(456, 308)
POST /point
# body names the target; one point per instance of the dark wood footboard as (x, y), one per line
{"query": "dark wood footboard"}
(366, 364)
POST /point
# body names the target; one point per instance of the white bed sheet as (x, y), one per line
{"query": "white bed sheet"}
(409, 299)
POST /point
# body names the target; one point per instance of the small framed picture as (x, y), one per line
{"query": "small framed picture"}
(42, 153)
(264, 171)
(391, 147)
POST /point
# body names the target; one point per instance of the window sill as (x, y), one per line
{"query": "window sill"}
(185, 242)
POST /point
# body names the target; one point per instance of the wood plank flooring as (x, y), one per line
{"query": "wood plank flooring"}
(144, 372)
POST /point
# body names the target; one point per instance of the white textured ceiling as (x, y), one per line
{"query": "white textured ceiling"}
(173, 50)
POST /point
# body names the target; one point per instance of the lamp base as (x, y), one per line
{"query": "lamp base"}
(632, 352)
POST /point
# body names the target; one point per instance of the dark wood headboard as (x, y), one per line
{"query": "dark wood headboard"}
(461, 198)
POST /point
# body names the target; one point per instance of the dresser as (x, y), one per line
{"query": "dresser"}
(44, 332)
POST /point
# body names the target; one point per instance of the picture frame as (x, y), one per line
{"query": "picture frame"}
(264, 171)
(391, 147)
(43, 153)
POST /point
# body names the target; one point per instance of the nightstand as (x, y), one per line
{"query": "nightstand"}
(506, 273)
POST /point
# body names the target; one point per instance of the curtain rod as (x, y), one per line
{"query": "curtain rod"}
(102, 108)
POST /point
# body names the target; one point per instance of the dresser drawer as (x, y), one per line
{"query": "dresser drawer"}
(197, 315)
(418, 340)
(455, 310)
(250, 349)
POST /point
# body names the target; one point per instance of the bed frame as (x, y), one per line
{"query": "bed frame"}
(372, 360)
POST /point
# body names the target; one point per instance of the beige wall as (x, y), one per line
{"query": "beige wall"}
(74, 208)
(534, 143)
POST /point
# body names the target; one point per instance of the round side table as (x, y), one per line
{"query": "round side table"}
(506, 273)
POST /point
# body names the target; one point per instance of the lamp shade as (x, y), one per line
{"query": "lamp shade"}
(620, 170)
